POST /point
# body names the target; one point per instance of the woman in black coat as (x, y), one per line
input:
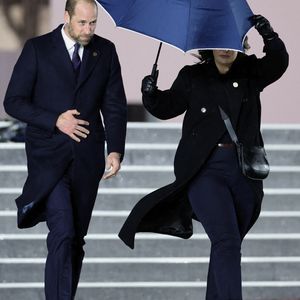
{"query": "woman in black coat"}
(209, 184)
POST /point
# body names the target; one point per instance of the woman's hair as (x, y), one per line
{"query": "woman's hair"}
(206, 56)
(71, 4)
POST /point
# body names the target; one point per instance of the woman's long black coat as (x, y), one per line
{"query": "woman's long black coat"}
(197, 91)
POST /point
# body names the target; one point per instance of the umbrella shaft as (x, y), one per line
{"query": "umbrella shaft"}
(154, 68)
(158, 52)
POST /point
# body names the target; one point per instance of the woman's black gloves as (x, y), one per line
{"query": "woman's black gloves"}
(263, 26)
(149, 85)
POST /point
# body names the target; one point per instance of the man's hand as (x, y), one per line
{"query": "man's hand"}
(71, 126)
(113, 165)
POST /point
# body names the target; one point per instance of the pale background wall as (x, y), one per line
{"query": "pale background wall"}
(137, 53)
(27, 18)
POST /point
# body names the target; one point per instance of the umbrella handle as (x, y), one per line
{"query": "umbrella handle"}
(154, 72)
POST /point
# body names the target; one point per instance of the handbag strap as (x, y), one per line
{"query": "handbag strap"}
(229, 126)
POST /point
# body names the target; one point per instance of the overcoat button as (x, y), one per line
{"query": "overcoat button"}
(235, 84)
(203, 110)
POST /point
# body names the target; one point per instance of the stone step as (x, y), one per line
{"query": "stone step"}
(159, 269)
(289, 222)
(157, 291)
(153, 177)
(138, 154)
(160, 155)
(125, 199)
(164, 132)
(152, 245)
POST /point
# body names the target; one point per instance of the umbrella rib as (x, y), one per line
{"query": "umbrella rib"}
(188, 33)
(124, 15)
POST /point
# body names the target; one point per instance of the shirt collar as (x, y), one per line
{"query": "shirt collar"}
(68, 41)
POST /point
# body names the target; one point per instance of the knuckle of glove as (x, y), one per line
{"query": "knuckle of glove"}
(148, 89)
(149, 78)
(148, 84)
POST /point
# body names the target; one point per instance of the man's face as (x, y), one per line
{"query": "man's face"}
(224, 57)
(81, 26)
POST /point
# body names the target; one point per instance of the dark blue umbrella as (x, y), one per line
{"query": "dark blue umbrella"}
(185, 24)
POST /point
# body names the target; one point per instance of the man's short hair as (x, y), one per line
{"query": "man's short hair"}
(71, 4)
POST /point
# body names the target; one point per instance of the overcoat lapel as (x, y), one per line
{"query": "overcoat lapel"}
(61, 56)
(90, 58)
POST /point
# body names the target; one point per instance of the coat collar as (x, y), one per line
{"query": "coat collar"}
(237, 69)
(61, 56)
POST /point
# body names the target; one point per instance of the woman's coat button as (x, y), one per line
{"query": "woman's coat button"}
(235, 84)
(203, 110)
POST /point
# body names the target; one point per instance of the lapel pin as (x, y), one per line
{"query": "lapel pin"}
(235, 84)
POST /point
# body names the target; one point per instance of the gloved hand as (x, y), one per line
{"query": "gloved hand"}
(263, 26)
(149, 85)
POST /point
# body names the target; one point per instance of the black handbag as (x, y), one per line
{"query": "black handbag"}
(252, 160)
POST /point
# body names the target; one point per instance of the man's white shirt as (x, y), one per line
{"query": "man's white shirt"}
(70, 44)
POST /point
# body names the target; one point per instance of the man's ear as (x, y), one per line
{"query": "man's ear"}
(67, 17)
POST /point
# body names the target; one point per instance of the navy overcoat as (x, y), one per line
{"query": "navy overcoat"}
(197, 91)
(43, 86)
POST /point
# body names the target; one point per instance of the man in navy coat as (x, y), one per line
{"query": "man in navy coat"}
(60, 84)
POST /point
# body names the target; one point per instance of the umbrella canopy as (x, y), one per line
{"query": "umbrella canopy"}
(185, 24)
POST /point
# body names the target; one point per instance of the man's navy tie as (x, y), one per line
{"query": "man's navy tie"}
(76, 61)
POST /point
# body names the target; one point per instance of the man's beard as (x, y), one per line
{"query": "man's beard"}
(83, 40)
